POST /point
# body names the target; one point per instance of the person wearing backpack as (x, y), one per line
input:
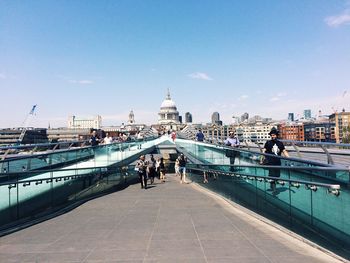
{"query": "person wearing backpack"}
(151, 169)
(141, 168)
(182, 168)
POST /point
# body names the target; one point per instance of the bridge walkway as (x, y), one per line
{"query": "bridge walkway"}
(168, 222)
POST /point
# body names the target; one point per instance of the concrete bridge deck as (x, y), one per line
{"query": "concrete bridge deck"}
(169, 222)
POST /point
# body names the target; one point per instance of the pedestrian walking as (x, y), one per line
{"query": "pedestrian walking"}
(182, 168)
(273, 147)
(151, 168)
(173, 136)
(162, 170)
(141, 167)
(177, 167)
(158, 168)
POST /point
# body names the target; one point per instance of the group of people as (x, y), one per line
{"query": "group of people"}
(232, 139)
(149, 169)
(106, 138)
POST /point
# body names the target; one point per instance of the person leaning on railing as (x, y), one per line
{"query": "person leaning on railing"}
(199, 136)
(232, 141)
(94, 139)
(273, 147)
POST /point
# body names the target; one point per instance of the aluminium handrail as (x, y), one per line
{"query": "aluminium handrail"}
(312, 168)
(240, 149)
(318, 143)
(332, 188)
(88, 172)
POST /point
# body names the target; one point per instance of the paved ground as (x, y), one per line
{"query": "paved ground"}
(168, 222)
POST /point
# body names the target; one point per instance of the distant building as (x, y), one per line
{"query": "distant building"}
(290, 116)
(319, 132)
(215, 118)
(255, 119)
(254, 132)
(68, 134)
(307, 114)
(342, 126)
(168, 114)
(76, 123)
(188, 117)
(244, 117)
(291, 131)
(31, 136)
(215, 132)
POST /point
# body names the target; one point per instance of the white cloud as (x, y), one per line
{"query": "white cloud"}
(81, 82)
(199, 75)
(281, 94)
(275, 99)
(2, 75)
(243, 97)
(339, 20)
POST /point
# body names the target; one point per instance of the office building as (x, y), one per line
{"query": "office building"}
(290, 116)
(188, 117)
(307, 114)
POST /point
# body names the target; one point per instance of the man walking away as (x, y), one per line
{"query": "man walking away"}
(200, 136)
(182, 168)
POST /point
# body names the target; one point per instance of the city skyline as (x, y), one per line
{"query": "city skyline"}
(105, 58)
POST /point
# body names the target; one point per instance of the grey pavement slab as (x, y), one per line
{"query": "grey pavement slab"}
(169, 222)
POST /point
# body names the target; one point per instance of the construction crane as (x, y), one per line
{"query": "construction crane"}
(26, 123)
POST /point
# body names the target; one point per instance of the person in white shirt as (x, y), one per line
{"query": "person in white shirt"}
(108, 139)
(232, 141)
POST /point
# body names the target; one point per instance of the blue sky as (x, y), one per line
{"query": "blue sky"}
(83, 58)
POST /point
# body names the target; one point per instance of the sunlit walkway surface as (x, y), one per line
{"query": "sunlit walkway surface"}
(168, 222)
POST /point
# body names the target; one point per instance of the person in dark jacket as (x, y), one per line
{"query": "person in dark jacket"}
(273, 147)
(200, 136)
(151, 169)
(162, 169)
(94, 139)
(141, 167)
(182, 167)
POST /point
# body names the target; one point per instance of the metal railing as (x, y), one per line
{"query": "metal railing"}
(316, 210)
(326, 152)
(27, 200)
(310, 185)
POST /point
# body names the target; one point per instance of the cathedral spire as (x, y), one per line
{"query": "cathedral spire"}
(131, 117)
(168, 95)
